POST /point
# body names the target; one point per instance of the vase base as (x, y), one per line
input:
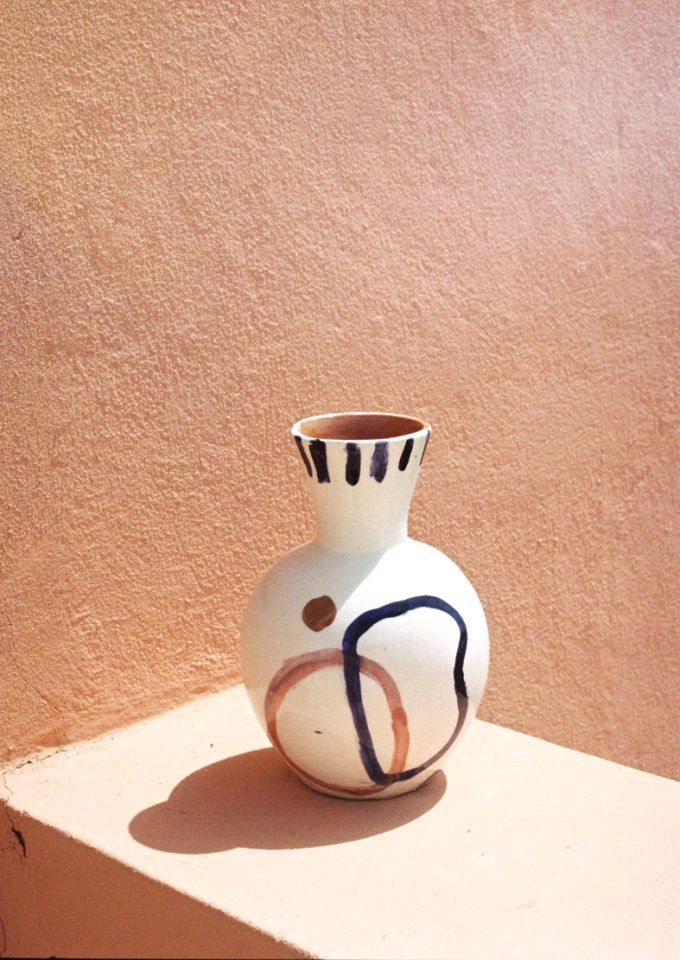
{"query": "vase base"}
(388, 793)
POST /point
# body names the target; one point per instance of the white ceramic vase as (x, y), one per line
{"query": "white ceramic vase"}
(364, 653)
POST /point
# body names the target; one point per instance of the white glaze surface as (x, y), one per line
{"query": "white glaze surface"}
(417, 648)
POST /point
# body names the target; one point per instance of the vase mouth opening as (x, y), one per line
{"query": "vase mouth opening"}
(358, 426)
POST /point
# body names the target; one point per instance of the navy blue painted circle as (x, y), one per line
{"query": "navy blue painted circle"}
(350, 641)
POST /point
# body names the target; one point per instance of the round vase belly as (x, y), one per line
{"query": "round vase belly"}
(364, 653)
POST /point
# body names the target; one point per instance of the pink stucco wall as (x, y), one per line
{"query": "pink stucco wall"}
(215, 218)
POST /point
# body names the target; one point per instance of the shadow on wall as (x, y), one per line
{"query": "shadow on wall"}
(253, 800)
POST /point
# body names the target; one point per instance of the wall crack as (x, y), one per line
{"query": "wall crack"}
(18, 835)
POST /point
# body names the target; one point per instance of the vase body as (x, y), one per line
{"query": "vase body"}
(364, 652)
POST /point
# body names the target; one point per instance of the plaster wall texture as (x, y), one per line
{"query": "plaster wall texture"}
(216, 218)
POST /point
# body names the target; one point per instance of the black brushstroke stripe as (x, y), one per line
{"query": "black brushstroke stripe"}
(406, 454)
(352, 671)
(379, 461)
(317, 448)
(305, 458)
(353, 468)
(427, 440)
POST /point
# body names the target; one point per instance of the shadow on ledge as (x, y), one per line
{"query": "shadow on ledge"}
(253, 800)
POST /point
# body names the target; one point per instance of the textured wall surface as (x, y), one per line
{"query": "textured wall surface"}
(215, 218)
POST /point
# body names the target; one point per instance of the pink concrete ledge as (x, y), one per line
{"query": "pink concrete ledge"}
(184, 836)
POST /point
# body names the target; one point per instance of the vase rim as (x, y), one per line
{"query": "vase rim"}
(359, 426)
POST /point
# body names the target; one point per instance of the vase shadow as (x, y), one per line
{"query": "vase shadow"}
(253, 800)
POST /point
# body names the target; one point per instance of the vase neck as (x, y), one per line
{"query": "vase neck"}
(362, 488)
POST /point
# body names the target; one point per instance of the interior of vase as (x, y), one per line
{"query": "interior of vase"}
(359, 426)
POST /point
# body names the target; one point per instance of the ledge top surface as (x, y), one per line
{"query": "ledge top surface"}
(524, 849)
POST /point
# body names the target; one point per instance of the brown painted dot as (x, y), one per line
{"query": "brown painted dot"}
(319, 613)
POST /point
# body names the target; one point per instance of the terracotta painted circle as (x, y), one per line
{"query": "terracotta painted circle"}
(297, 669)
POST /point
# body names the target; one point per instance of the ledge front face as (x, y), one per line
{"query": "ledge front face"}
(522, 849)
